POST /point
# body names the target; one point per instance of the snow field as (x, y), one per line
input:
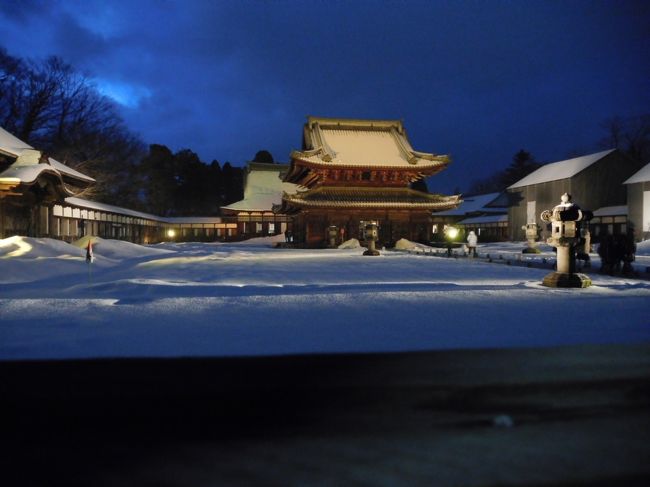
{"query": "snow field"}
(197, 299)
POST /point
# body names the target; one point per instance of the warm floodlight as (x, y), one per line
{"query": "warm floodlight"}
(171, 233)
(452, 232)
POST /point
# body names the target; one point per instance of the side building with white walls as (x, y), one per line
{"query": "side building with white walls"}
(595, 182)
(638, 203)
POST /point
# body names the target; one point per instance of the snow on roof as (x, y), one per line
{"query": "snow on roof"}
(472, 204)
(12, 145)
(561, 169)
(28, 166)
(641, 176)
(263, 188)
(365, 147)
(27, 174)
(611, 211)
(62, 168)
(364, 143)
(94, 205)
(479, 220)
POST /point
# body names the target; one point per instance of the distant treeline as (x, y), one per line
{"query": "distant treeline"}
(60, 111)
(56, 109)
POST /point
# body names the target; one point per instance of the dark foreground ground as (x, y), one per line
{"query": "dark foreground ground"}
(565, 416)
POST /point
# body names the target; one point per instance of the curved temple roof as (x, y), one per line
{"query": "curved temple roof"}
(30, 164)
(356, 144)
(361, 197)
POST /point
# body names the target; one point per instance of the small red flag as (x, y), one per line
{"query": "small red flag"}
(90, 258)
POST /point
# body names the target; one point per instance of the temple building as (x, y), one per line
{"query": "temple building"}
(39, 197)
(30, 184)
(355, 171)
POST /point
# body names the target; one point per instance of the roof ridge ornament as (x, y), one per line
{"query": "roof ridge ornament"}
(30, 157)
(326, 152)
(406, 151)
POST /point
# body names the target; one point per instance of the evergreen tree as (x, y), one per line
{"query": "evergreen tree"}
(233, 183)
(215, 199)
(523, 163)
(158, 180)
(264, 156)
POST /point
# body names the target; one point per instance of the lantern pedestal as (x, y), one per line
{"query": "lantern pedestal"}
(371, 234)
(531, 237)
(563, 279)
(565, 221)
(332, 233)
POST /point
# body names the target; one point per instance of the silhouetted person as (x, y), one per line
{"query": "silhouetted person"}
(606, 252)
(628, 251)
(583, 248)
(472, 241)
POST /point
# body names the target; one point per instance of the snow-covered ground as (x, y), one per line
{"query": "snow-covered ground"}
(210, 299)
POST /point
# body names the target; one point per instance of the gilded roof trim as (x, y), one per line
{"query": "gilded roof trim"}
(357, 197)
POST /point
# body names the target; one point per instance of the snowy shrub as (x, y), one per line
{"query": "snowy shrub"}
(353, 243)
(403, 244)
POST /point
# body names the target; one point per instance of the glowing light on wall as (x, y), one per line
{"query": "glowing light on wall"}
(171, 233)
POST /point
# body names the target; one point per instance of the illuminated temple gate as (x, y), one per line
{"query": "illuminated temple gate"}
(354, 171)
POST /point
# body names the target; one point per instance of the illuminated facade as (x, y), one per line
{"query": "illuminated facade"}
(354, 171)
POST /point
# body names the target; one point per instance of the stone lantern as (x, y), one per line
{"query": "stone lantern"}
(371, 233)
(531, 236)
(565, 220)
(332, 232)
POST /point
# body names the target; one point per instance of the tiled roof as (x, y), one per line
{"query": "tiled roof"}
(345, 143)
(472, 204)
(9, 144)
(94, 205)
(355, 197)
(479, 220)
(30, 164)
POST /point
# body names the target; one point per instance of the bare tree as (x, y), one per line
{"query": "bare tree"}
(59, 110)
(631, 135)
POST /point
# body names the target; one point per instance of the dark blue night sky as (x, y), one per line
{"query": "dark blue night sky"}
(476, 79)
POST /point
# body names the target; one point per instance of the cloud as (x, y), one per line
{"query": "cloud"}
(127, 95)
